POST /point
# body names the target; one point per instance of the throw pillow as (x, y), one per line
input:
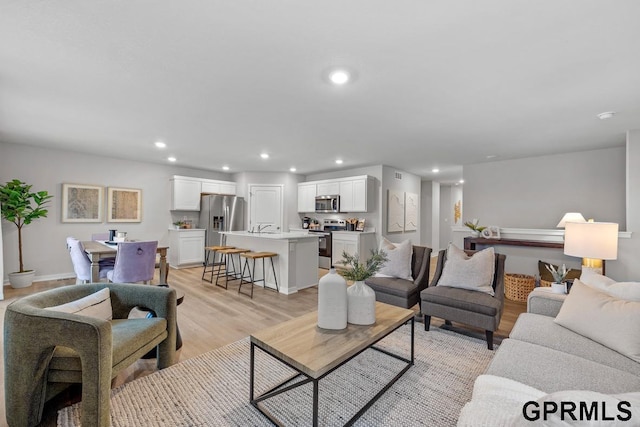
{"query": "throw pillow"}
(607, 404)
(469, 272)
(398, 263)
(545, 274)
(610, 321)
(629, 291)
(97, 305)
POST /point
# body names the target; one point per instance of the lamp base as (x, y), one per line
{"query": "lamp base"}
(594, 265)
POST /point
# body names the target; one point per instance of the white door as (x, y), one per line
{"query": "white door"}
(265, 208)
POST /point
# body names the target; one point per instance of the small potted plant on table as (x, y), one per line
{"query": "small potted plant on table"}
(21, 206)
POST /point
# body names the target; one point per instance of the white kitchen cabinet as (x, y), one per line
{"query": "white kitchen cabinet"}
(328, 188)
(186, 248)
(355, 243)
(354, 194)
(218, 187)
(306, 197)
(185, 193)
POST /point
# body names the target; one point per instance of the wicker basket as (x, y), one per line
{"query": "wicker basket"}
(518, 286)
(545, 283)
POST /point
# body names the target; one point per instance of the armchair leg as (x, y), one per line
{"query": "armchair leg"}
(447, 322)
(489, 339)
(427, 322)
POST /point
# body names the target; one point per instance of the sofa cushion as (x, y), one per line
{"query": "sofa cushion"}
(474, 272)
(551, 370)
(629, 291)
(611, 321)
(464, 299)
(96, 305)
(128, 336)
(393, 286)
(542, 330)
(398, 262)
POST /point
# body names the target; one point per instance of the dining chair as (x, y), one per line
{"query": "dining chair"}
(135, 262)
(82, 263)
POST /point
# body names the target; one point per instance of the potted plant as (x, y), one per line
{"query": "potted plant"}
(474, 227)
(559, 275)
(21, 206)
(361, 299)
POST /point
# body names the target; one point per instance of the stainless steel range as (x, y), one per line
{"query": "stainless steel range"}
(324, 241)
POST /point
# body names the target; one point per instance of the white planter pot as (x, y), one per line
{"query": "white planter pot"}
(361, 306)
(21, 280)
(559, 288)
(332, 301)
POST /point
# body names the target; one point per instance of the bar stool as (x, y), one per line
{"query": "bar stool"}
(252, 279)
(211, 251)
(228, 258)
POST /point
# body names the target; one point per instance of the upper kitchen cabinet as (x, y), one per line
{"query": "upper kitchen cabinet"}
(185, 193)
(328, 188)
(306, 197)
(218, 187)
(355, 194)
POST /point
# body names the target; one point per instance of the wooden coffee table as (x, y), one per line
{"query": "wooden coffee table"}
(314, 353)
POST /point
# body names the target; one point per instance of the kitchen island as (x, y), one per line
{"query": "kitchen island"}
(296, 264)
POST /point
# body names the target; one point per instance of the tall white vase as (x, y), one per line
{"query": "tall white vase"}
(332, 301)
(361, 304)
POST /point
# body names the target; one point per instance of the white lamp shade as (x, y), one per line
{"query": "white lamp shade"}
(597, 240)
(570, 217)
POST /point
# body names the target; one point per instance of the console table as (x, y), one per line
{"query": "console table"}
(471, 242)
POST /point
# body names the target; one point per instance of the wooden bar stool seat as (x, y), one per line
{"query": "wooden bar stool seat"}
(211, 253)
(228, 254)
(252, 270)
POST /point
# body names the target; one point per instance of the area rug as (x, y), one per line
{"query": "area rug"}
(213, 388)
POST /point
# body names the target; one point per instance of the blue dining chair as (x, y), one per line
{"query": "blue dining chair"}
(135, 262)
(82, 263)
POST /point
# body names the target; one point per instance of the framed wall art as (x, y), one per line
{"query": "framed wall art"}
(82, 203)
(395, 211)
(410, 211)
(124, 205)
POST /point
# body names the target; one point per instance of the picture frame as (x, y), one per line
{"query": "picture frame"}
(491, 232)
(360, 224)
(124, 205)
(82, 203)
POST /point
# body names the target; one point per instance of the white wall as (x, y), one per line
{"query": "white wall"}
(44, 240)
(535, 192)
(426, 214)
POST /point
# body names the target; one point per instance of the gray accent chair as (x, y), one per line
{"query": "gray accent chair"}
(402, 292)
(46, 351)
(465, 306)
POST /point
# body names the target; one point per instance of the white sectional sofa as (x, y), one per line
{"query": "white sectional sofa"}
(543, 361)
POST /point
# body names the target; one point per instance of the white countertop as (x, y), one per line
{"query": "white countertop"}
(278, 236)
(353, 232)
(187, 229)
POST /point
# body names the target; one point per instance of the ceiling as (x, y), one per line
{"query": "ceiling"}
(437, 84)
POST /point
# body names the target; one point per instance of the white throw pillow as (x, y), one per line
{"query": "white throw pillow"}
(629, 291)
(610, 321)
(474, 273)
(399, 259)
(97, 305)
(606, 404)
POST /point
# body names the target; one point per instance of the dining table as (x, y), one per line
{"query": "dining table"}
(97, 250)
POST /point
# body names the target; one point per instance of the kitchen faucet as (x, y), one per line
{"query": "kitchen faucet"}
(262, 227)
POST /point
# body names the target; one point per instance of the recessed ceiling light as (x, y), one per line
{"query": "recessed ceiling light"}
(606, 115)
(461, 181)
(338, 161)
(339, 77)
(160, 144)
(435, 170)
(292, 169)
(264, 155)
(171, 159)
(491, 156)
(225, 168)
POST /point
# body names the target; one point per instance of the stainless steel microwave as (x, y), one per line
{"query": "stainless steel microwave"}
(327, 204)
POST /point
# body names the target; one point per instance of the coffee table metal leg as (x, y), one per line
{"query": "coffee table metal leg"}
(413, 327)
(315, 403)
(251, 369)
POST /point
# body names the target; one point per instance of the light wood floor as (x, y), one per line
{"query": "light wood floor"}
(211, 317)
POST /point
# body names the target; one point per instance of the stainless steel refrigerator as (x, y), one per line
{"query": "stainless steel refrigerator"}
(220, 213)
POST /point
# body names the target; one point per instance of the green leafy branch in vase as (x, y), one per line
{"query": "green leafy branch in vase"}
(362, 271)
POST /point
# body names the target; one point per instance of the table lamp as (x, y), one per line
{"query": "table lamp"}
(570, 217)
(594, 242)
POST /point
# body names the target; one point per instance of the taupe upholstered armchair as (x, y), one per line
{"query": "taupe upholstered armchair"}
(465, 306)
(402, 292)
(45, 351)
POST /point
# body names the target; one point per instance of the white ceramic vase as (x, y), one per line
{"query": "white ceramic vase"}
(332, 301)
(361, 304)
(559, 288)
